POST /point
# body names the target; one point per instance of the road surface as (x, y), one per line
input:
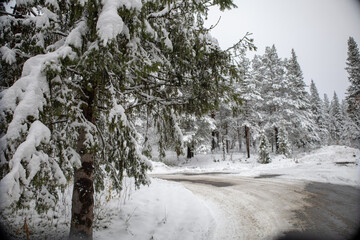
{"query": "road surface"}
(267, 207)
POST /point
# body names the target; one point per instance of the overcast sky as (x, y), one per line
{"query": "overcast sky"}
(318, 31)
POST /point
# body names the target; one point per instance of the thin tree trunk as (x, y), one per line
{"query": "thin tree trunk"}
(213, 141)
(276, 139)
(190, 151)
(239, 138)
(226, 139)
(247, 136)
(223, 148)
(213, 135)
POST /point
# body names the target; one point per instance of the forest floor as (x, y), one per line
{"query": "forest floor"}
(207, 197)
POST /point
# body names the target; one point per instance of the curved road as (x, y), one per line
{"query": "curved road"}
(267, 207)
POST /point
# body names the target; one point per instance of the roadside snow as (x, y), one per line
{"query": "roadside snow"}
(164, 210)
(330, 164)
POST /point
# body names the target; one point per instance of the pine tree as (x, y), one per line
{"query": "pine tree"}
(303, 130)
(317, 108)
(326, 112)
(271, 75)
(336, 119)
(349, 129)
(284, 145)
(197, 133)
(353, 91)
(249, 116)
(264, 148)
(96, 65)
(285, 99)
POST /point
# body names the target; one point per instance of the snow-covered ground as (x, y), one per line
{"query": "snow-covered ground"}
(332, 164)
(163, 210)
(166, 210)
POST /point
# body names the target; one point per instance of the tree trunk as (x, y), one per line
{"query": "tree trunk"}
(223, 148)
(190, 152)
(239, 138)
(276, 139)
(247, 136)
(213, 141)
(82, 215)
(226, 139)
(213, 135)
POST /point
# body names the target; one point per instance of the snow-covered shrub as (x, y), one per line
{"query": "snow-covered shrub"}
(264, 149)
(284, 145)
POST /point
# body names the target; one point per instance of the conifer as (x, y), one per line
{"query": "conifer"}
(353, 91)
(264, 149)
(89, 68)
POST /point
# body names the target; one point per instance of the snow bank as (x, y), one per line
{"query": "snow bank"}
(330, 164)
(164, 210)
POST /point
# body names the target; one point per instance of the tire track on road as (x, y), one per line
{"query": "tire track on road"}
(265, 208)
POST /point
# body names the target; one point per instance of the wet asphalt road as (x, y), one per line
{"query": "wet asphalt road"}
(267, 207)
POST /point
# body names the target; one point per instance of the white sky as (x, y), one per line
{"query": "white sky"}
(318, 31)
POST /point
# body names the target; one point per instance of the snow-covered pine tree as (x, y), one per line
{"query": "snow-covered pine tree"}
(70, 115)
(326, 104)
(273, 88)
(326, 112)
(297, 110)
(249, 115)
(264, 148)
(336, 119)
(283, 141)
(197, 133)
(317, 108)
(349, 129)
(353, 91)
(284, 99)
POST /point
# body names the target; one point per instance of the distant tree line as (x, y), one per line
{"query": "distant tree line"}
(277, 114)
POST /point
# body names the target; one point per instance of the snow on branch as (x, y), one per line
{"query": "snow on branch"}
(8, 55)
(27, 96)
(161, 13)
(10, 187)
(75, 36)
(110, 24)
(43, 19)
(24, 101)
